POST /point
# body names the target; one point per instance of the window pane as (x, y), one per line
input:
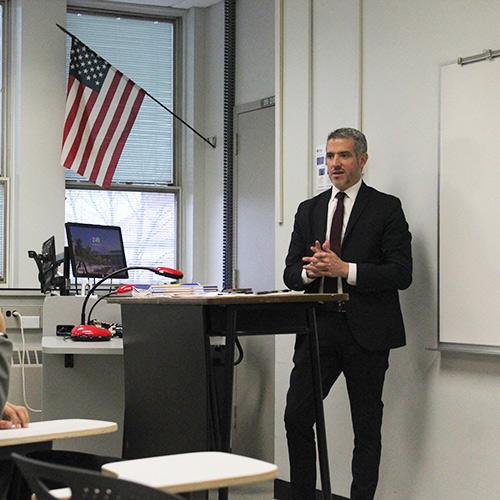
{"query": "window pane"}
(143, 51)
(148, 223)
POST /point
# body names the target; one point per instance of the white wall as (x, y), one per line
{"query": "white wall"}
(254, 80)
(211, 251)
(192, 222)
(441, 432)
(37, 99)
(254, 50)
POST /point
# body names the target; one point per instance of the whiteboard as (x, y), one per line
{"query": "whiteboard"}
(469, 204)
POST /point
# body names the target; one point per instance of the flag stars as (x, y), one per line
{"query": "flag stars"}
(87, 66)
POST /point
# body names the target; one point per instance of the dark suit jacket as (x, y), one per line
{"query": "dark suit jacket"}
(377, 239)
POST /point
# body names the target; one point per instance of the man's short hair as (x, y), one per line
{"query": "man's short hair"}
(360, 144)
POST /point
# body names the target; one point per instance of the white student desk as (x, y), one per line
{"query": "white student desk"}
(185, 472)
(39, 435)
(188, 472)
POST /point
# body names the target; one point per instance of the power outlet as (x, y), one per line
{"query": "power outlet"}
(25, 311)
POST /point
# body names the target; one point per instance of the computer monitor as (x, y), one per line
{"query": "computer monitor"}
(95, 250)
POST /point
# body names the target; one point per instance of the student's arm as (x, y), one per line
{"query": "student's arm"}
(5, 355)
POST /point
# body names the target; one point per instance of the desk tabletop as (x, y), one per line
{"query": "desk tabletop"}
(55, 429)
(193, 471)
(230, 299)
(51, 344)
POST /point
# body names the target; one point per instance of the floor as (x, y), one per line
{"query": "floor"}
(259, 491)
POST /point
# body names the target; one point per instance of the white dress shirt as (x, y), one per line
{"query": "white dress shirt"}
(350, 198)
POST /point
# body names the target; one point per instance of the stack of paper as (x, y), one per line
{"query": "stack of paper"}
(176, 289)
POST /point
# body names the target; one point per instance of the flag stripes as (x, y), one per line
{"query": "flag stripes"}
(101, 107)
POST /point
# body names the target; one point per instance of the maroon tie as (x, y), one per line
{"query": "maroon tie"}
(337, 221)
(330, 284)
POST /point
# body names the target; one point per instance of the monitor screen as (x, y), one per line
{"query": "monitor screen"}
(95, 251)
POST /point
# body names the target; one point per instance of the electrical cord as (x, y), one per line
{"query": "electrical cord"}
(89, 316)
(23, 357)
(240, 351)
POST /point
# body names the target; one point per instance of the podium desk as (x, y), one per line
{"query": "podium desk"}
(169, 384)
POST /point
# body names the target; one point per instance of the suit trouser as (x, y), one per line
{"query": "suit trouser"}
(364, 372)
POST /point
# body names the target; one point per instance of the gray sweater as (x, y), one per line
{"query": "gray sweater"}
(5, 356)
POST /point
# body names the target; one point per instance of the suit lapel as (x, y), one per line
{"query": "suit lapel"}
(319, 216)
(359, 205)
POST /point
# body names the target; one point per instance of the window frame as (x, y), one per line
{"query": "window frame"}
(174, 16)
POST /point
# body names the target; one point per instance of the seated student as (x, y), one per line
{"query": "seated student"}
(10, 415)
(12, 486)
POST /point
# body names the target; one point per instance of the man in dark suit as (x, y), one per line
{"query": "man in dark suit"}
(356, 242)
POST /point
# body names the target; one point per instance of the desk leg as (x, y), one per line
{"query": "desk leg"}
(227, 407)
(318, 401)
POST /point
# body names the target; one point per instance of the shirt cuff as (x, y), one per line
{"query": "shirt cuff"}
(305, 279)
(352, 274)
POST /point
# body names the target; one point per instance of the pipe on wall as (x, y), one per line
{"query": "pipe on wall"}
(228, 135)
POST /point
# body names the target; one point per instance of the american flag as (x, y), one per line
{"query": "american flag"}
(101, 108)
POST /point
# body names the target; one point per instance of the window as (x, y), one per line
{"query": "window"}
(144, 196)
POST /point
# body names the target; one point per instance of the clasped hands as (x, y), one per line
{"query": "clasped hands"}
(324, 262)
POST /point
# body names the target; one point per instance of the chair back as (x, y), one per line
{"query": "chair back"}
(84, 484)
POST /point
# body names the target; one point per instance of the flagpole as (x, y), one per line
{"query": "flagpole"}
(148, 94)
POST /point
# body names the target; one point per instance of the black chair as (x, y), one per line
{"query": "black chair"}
(84, 484)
